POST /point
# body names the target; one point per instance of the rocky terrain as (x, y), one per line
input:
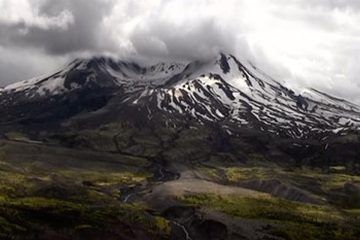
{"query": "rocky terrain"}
(216, 149)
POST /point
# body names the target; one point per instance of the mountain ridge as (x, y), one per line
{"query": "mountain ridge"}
(218, 90)
(171, 150)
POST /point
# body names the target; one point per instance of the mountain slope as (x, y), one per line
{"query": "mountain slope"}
(211, 149)
(222, 90)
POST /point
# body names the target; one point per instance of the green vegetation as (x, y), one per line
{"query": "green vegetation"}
(36, 213)
(327, 181)
(106, 178)
(340, 190)
(294, 221)
(235, 174)
(54, 193)
(317, 181)
(43, 196)
(264, 207)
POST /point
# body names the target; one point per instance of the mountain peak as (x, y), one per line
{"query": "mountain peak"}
(223, 90)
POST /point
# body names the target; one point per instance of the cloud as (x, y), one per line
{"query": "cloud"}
(200, 40)
(303, 42)
(175, 29)
(18, 63)
(26, 14)
(84, 32)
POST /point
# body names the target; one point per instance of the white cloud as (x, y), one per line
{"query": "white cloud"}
(27, 13)
(17, 64)
(307, 43)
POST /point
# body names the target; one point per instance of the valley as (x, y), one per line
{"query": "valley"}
(60, 192)
(109, 149)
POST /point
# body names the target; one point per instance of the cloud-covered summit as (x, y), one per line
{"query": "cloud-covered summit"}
(304, 42)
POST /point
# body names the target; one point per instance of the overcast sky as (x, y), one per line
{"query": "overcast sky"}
(307, 43)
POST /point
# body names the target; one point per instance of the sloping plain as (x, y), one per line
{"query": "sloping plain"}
(103, 190)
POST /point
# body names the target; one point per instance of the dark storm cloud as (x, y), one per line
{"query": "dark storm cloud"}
(47, 33)
(86, 33)
(18, 64)
(305, 42)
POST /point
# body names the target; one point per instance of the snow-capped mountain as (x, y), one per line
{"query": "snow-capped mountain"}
(222, 91)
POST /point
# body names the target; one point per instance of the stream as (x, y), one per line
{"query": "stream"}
(161, 172)
(127, 197)
(183, 229)
(160, 175)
